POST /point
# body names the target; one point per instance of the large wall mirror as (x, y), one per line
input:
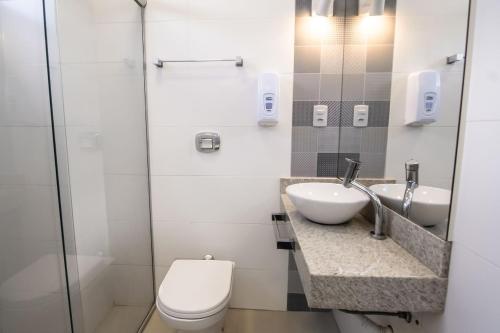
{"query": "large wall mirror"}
(400, 100)
(389, 74)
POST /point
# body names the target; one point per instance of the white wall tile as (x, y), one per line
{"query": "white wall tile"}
(127, 197)
(422, 41)
(433, 147)
(248, 245)
(480, 227)
(28, 156)
(217, 199)
(240, 9)
(236, 189)
(132, 284)
(258, 289)
(166, 10)
(160, 272)
(250, 39)
(115, 11)
(473, 294)
(130, 242)
(245, 151)
(29, 212)
(485, 74)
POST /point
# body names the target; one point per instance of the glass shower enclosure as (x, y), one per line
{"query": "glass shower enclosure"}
(75, 231)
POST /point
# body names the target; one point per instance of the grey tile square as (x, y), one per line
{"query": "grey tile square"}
(328, 140)
(372, 165)
(304, 139)
(303, 35)
(374, 140)
(335, 32)
(332, 59)
(331, 87)
(347, 113)
(333, 165)
(303, 7)
(378, 87)
(350, 140)
(307, 59)
(327, 165)
(342, 163)
(353, 87)
(355, 58)
(384, 35)
(379, 58)
(333, 113)
(304, 164)
(306, 87)
(302, 114)
(378, 113)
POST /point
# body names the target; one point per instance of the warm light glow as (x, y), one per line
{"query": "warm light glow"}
(319, 27)
(372, 26)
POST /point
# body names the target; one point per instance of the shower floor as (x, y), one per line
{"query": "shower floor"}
(123, 319)
(256, 321)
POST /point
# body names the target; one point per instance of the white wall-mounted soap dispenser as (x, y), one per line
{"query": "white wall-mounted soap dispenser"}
(422, 98)
(268, 97)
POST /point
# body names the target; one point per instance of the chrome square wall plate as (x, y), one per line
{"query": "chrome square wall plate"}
(207, 142)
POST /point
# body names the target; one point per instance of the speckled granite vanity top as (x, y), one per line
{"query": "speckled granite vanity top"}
(342, 267)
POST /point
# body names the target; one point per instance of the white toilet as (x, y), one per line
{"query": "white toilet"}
(194, 295)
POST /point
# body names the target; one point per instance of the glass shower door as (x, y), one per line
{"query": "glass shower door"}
(96, 57)
(33, 295)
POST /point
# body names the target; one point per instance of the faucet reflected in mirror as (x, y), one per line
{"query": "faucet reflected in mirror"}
(350, 181)
(411, 167)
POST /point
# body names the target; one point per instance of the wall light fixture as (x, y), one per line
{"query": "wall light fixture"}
(371, 7)
(322, 7)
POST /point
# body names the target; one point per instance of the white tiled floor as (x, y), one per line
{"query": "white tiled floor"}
(255, 321)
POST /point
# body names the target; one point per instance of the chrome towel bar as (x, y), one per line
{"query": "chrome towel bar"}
(238, 61)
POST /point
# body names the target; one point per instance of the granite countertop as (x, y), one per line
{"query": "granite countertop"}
(342, 267)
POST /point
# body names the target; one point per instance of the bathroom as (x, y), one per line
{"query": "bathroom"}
(249, 166)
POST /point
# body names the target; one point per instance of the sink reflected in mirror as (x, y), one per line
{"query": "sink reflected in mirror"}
(430, 205)
(327, 203)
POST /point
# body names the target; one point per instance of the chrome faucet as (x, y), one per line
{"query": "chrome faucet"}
(411, 168)
(350, 181)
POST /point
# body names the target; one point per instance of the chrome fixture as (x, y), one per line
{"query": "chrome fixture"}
(411, 168)
(350, 181)
(322, 7)
(455, 58)
(238, 61)
(207, 142)
(371, 7)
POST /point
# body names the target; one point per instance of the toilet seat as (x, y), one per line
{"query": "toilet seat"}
(195, 289)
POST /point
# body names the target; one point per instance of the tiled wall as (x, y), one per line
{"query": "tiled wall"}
(220, 203)
(341, 61)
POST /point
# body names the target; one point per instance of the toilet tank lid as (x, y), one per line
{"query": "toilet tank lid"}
(196, 288)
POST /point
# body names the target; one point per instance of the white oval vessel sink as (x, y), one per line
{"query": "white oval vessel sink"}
(430, 205)
(325, 202)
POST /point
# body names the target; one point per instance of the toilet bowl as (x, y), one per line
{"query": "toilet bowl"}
(195, 294)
